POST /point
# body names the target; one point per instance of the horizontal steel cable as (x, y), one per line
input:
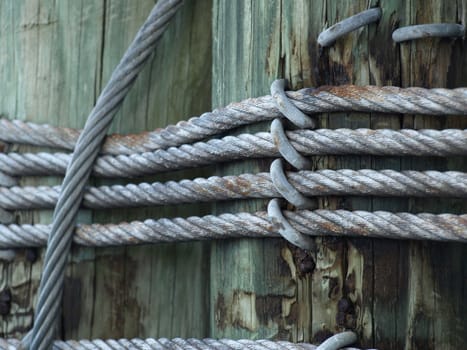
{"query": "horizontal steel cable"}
(379, 224)
(383, 142)
(386, 99)
(170, 344)
(324, 182)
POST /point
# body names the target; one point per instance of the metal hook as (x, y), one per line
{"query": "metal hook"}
(284, 187)
(338, 341)
(285, 147)
(287, 108)
(439, 30)
(282, 225)
(330, 35)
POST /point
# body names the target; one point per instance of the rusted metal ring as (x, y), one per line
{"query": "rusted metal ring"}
(338, 341)
(330, 35)
(287, 108)
(439, 30)
(285, 148)
(284, 187)
(283, 227)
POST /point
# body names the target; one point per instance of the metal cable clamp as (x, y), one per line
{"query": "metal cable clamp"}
(433, 30)
(283, 186)
(330, 35)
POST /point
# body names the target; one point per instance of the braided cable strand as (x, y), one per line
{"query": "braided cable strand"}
(342, 141)
(170, 344)
(79, 169)
(324, 182)
(344, 98)
(383, 142)
(380, 224)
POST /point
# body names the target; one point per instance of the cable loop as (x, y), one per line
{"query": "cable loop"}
(283, 227)
(433, 30)
(287, 108)
(285, 148)
(330, 35)
(338, 341)
(284, 187)
(279, 180)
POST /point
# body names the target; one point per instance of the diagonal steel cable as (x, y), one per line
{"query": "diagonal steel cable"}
(78, 171)
(379, 224)
(383, 142)
(387, 99)
(324, 182)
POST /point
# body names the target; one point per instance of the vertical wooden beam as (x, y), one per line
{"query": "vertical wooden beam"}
(390, 292)
(436, 277)
(256, 288)
(56, 56)
(155, 291)
(50, 55)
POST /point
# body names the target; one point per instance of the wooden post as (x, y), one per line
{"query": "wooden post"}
(55, 58)
(394, 294)
(256, 287)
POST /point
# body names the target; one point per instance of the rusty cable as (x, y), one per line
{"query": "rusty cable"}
(382, 142)
(342, 223)
(388, 99)
(323, 182)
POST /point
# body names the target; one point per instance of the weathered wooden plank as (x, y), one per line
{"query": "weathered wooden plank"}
(340, 277)
(42, 60)
(434, 312)
(56, 57)
(386, 290)
(156, 290)
(387, 304)
(256, 290)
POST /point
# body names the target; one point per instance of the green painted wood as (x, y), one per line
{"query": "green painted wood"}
(256, 289)
(394, 294)
(436, 303)
(156, 290)
(57, 55)
(50, 54)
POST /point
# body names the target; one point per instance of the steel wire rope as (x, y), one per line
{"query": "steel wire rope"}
(345, 98)
(380, 142)
(378, 224)
(324, 182)
(172, 344)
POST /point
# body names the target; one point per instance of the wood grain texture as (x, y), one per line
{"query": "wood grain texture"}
(257, 289)
(394, 294)
(55, 58)
(57, 55)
